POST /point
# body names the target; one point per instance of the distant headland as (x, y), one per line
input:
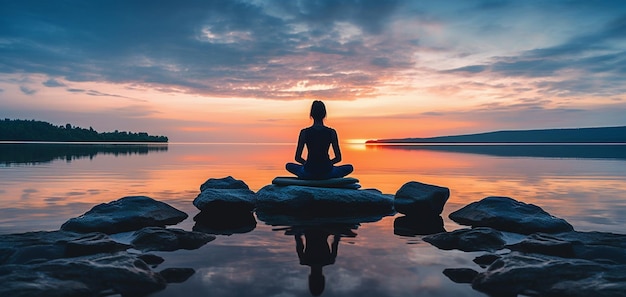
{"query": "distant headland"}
(32, 130)
(575, 135)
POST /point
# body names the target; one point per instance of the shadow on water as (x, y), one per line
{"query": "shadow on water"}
(37, 153)
(574, 151)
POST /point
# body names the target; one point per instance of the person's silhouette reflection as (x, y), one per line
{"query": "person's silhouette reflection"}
(315, 252)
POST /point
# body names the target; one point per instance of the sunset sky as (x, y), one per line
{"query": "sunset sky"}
(247, 71)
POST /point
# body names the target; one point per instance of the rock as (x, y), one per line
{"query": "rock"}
(419, 199)
(126, 214)
(93, 243)
(506, 214)
(486, 260)
(460, 275)
(597, 246)
(224, 183)
(151, 259)
(225, 193)
(301, 201)
(162, 239)
(417, 225)
(16, 280)
(31, 247)
(542, 275)
(300, 219)
(177, 275)
(468, 240)
(122, 273)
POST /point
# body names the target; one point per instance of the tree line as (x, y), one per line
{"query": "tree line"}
(32, 130)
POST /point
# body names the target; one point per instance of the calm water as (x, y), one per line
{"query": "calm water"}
(42, 185)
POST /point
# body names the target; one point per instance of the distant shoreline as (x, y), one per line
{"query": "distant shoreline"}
(600, 135)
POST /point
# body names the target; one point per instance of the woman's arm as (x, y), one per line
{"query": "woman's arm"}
(334, 141)
(300, 148)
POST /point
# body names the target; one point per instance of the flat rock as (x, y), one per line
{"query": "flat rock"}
(126, 214)
(507, 214)
(32, 247)
(225, 193)
(597, 246)
(468, 240)
(162, 239)
(542, 275)
(460, 275)
(323, 202)
(123, 274)
(415, 198)
(343, 182)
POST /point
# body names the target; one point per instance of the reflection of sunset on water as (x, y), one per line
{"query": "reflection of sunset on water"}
(578, 190)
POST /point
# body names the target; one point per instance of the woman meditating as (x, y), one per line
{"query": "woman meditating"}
(318, 139)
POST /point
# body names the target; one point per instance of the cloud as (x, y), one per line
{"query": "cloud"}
(230, 48)
(52, 83)
(27, 90)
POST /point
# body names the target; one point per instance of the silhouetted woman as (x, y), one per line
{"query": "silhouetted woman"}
(318, 139)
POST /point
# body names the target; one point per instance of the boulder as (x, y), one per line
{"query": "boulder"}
(162, 239)
(123, 274)
(32, 247)
(415, 198)
(542, 275)
(226, 193)
(460, 275)
(507, 214)
(597, 246)
(224, 183)
(322, 202)
(176, 275)
(126, 214)
(468, 240)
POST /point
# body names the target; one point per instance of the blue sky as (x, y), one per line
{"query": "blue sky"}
(233, 70)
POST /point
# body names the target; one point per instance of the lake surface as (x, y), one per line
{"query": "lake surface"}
(43, 185)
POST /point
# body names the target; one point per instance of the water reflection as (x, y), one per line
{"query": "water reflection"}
(614, 151)
(225, 221)
(36, 153)
(314, 250)
(417, 225)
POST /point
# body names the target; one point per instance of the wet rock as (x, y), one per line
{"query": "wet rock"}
(415, 198)
(162, 239)
(542, 275)
(126, 214)
(506, 214)
(32, 247)
(486, 260)
(122, 273)
(224, 183)
(176, 275)
(460, 275)
(93, 243)
(313, 202)
(597, 246)
(16, 280)
(468, 240)
(417, 225)
(225, 193)
(151, 259)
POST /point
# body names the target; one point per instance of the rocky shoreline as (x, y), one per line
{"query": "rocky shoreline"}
(83, 258)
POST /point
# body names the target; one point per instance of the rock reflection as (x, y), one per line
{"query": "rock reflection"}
(417, 225)
(314, 250)
(225, 221)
